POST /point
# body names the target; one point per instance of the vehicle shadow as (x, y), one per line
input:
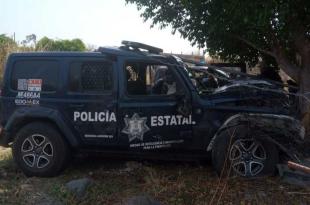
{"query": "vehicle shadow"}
(93, 162)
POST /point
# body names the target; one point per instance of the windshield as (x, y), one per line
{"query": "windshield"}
(207, 80)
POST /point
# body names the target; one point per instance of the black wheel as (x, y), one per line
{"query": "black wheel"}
(238, 152)
(40, 150)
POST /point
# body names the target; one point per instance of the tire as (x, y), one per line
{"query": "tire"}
(40, 150)
(246, 154)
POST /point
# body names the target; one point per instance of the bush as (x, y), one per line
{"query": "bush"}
(7, 46)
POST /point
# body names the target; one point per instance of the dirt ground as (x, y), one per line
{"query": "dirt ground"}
(167, 182)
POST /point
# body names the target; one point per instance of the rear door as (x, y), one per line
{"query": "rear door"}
(91, 104)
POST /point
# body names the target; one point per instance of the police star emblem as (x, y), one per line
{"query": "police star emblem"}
(135, 127)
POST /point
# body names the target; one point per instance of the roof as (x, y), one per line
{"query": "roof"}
(129, 49)
(102, 50)
(56, 54)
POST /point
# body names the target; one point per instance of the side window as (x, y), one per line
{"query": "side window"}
(150, 79)
(90, 76)
(42, 72)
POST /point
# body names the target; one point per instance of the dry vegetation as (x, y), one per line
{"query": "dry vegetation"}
(167, 182)
(9, 45)
(8, 48)
(5, 50)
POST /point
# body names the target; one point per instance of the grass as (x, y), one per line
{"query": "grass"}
(168, 182)
(5, 158)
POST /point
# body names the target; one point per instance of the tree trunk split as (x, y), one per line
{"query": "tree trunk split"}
(304, 102)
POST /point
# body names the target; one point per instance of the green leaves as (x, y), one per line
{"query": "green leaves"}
(5, 41)
(215, 24)
(47, 44)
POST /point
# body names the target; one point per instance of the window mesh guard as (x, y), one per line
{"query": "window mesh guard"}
(96, 76)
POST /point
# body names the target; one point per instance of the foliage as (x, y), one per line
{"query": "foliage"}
(237, 30)
(7, 45)
(6, 41)
(30, 38)
(47, 44)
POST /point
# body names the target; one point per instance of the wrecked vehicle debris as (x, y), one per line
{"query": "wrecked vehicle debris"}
(295, 174)
(284, 131)
(135, 101)
(240, 89)
(300, 167)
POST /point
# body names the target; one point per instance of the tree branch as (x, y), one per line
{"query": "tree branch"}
(289, 68)
(249, 43)
(302, 46)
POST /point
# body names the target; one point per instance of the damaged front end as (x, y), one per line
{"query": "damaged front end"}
(263, 106)
(284, 131)
(240, 90)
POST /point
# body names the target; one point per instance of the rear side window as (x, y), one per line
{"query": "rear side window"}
(44, 71)
(90, 76)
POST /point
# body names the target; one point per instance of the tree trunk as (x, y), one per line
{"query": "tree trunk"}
(302, 76)
(298, 71)
(304, 102)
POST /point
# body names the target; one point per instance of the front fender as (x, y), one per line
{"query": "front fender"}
(282, 130)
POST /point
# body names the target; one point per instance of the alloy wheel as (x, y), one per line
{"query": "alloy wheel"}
(247, 157)
(37, 151)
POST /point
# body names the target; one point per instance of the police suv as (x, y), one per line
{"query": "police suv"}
(134, 100)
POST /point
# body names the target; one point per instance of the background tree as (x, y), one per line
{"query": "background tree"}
(30, 40)
(243, 30)
(44, 44)
(47, 44)
(7, 45)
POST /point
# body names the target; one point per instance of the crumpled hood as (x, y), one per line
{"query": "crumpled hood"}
(248, 84)
(251, 94)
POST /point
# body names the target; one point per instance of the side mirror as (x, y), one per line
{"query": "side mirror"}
(183, 105)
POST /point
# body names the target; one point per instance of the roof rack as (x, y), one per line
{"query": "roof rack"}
(136, 46)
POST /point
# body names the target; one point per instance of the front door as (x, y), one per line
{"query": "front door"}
(148, 117)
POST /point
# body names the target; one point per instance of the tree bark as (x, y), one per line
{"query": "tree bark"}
(304, 102)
